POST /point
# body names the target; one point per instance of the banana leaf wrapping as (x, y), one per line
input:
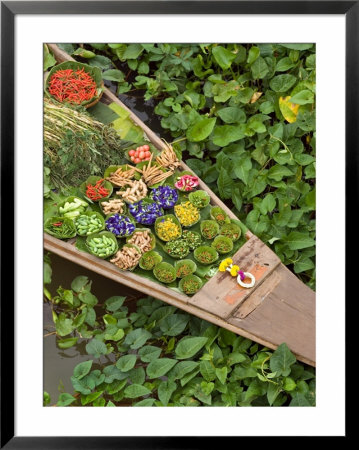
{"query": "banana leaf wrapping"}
(73, 212)
(93, 179)
(220, 216)
(164, 272)
(94, 250)
(66, 230)
(200, 199)
(222, 244)
(209, 229)
(190, 284)
(149, 260)
(185, 267)
(205, 254)
(170, 236)
(86, 231)
(93, 71)
(231, 230)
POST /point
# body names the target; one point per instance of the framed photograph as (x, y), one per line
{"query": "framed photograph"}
(175, 178)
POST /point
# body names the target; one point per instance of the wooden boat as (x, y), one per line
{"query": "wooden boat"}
(279, 308)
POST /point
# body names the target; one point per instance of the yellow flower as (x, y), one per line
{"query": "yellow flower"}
(234, 270)
(224, 264)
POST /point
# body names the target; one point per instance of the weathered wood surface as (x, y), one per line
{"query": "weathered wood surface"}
(279, 308)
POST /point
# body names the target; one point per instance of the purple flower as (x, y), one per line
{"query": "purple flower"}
(145, 213)
(120, 225)
(165, 196)
(241, 274)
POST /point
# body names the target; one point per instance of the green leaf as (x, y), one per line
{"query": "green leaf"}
(83, 53)
(289, 384)
(303, 97)
(259, 69)
(165, 391)
(225, 134)
(82, 369)
(113, 75)
(272, 392)
(64, 325)
(137, 338)
(79, 283)
(297, 240)
(201, 129)
(207, 370)
(253, 54)
(284, 64)
(67, 343)
(126, 362)
(188, 347)
(277, 172)
(90, 397)
(49, 59)
(297, 46)
(160, 367)
(243, 167)
(223, 57)
(281, 360)
(145, 402)
(149, 353)
(174, 325)
(303, 264)
(232, 114)
(65, 399)
(100, 61)
(282, 83)
(268, 204)
(133, 51)
(114, 303)
(136, 390)
(224, 184)
(137, 375)
(299, 400)
(88, 298)
(222, 374)
(96, 348)
(182, 368)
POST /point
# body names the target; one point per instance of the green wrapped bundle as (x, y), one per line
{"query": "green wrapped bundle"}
(222, 244)
(60, 227)
(219, 215)
(178, 248)
(88, 223)
(102, 244)
(209, 229)
(200, 199)
(205, 254)
(168, 228)
(193, 239)
(231, 230)
(185, 267)
(164, 272)
(190, 284)
(149, 260)
(72, 207)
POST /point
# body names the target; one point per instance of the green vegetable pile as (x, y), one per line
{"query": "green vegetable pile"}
(156, 355)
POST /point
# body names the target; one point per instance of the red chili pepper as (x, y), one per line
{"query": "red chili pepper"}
(57, 224)
(72, 86)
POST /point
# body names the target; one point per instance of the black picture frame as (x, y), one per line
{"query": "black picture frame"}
(9, 9)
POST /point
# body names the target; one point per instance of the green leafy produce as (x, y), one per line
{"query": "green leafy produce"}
(149, 260)
(185, 267)
(205, 254)
(209, 229)
(222, 244)
(164, 272)
(190, 284)
(231, 230)
(60, 227)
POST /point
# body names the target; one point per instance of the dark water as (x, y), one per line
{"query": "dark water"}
(58, 363)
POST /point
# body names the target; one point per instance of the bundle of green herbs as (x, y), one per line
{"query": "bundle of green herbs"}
(76, 145)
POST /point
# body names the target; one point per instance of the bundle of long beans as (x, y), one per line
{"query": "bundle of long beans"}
(76, 145)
